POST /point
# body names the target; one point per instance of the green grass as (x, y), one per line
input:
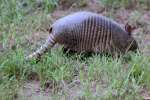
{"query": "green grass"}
(114, 78)
(125, 79)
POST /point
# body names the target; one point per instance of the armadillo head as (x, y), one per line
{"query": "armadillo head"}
(131, 45)
(123, 39)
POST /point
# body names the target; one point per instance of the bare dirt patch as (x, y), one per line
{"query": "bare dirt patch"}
(32, 90)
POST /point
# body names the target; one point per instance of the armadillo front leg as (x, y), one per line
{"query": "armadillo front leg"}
(50, 42)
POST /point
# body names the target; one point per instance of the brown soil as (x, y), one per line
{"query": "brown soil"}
(31, 90)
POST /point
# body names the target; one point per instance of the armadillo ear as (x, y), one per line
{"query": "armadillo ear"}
(129, 28)
(49, 29)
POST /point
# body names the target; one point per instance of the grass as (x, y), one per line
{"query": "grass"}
(113, 78)
(144, 4)
(125, 79)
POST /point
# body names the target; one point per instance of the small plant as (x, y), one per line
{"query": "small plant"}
(50, 5)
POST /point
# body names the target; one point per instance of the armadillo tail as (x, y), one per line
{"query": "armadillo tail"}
(50, 42)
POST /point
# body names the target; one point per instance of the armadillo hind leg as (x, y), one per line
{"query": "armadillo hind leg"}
(50, 42)
(68, 51)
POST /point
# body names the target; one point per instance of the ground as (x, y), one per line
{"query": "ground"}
(58, 76)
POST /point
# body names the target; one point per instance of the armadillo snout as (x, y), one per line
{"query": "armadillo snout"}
(133, 45)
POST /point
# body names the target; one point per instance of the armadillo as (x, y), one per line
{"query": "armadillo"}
(86, 31)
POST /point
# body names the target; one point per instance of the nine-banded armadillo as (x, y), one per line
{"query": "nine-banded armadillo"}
(88, 32)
